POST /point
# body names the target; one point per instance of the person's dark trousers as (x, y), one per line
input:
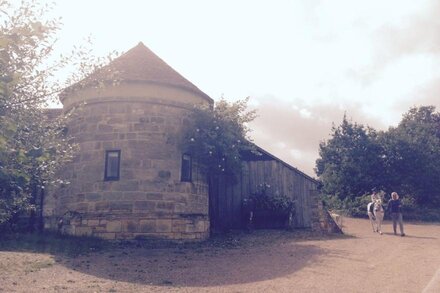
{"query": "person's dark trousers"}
(397, 218)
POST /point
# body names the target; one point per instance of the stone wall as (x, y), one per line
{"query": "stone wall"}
(136, 226)
(149, 199)
(321, 219)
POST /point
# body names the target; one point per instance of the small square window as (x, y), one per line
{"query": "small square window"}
(186, 173)
(112, 163)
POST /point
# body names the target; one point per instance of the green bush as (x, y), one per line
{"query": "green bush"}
(422, 214)
(266, 210)
(358, 208)
(354, 208)
(262, 200)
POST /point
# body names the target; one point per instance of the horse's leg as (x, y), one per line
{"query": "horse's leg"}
(371, 221)
(379, 219)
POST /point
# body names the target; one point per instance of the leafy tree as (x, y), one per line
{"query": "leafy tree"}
(218, 135)
(32, 146)
(412, 155)
(350, 162)
(405, 159)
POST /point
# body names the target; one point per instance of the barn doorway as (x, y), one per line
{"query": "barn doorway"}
(225, 204)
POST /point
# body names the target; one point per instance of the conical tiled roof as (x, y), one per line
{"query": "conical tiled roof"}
(140, 64)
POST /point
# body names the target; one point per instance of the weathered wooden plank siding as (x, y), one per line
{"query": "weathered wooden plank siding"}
(283, 180)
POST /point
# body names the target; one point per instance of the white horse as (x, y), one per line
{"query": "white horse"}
(375, 213)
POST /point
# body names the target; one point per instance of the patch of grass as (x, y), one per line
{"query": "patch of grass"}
(51, 243)
(422, 214)
(35, 266)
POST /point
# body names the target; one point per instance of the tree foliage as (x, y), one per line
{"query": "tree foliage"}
(217, 136)
(32, 146)
(405, 158)
(350, 161)
(412, 155)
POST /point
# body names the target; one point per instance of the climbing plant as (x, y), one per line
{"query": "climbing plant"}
(218, 135)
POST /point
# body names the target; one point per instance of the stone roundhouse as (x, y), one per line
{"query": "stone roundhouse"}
(130, 178)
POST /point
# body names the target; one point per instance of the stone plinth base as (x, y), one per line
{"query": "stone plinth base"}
(188, 227)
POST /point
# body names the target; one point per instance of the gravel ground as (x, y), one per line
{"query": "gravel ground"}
(261, 261)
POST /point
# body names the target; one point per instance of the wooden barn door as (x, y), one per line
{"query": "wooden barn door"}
(225, 201)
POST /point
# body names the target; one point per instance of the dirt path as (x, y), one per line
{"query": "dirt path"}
(263, 261)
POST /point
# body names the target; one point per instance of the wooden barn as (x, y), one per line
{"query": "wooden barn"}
(227, 196)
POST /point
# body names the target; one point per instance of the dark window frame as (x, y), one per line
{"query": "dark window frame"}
(112, 178)
(188, 177)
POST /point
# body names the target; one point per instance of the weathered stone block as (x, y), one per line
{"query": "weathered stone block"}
(93, 197)
(131, 135)
(88, 186)
(93, 222)
(176, 198)
(93, 119)
(166, 206)
(125, 236)
(108, 145)
(128, 174)
(80, 197)
(115, 120)
(146, 163)
(200, 225)
(125, 206)
(114, 226)
(188, 236)
(102, 206)
(105, 128)
(154, 196)
(82, 207)
(112, 196)
(126, 186)
(190, 228)
(85, 157)
(179, 226)
(135, 196)
(130, 226)
(180, 208)
(131, 163)
(106, 136)
(147, 226)
(163, 226)
(139, 127)
(116, 109)
(152, 185)
(158, 120)
(90, 171)
(83, 231)
(108, 236)
(98, 229)
(165, 175)
(145, 205)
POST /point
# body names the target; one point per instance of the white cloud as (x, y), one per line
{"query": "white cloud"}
(296, 154)
(304, 63)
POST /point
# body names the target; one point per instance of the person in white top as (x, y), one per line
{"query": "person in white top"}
(374, 195)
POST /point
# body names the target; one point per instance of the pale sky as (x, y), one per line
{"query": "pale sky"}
(303, 63)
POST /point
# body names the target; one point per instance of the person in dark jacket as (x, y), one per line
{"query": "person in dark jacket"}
(395, 209)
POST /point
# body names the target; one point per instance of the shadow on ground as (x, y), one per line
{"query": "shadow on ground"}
(233, 259)
(409, 236)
